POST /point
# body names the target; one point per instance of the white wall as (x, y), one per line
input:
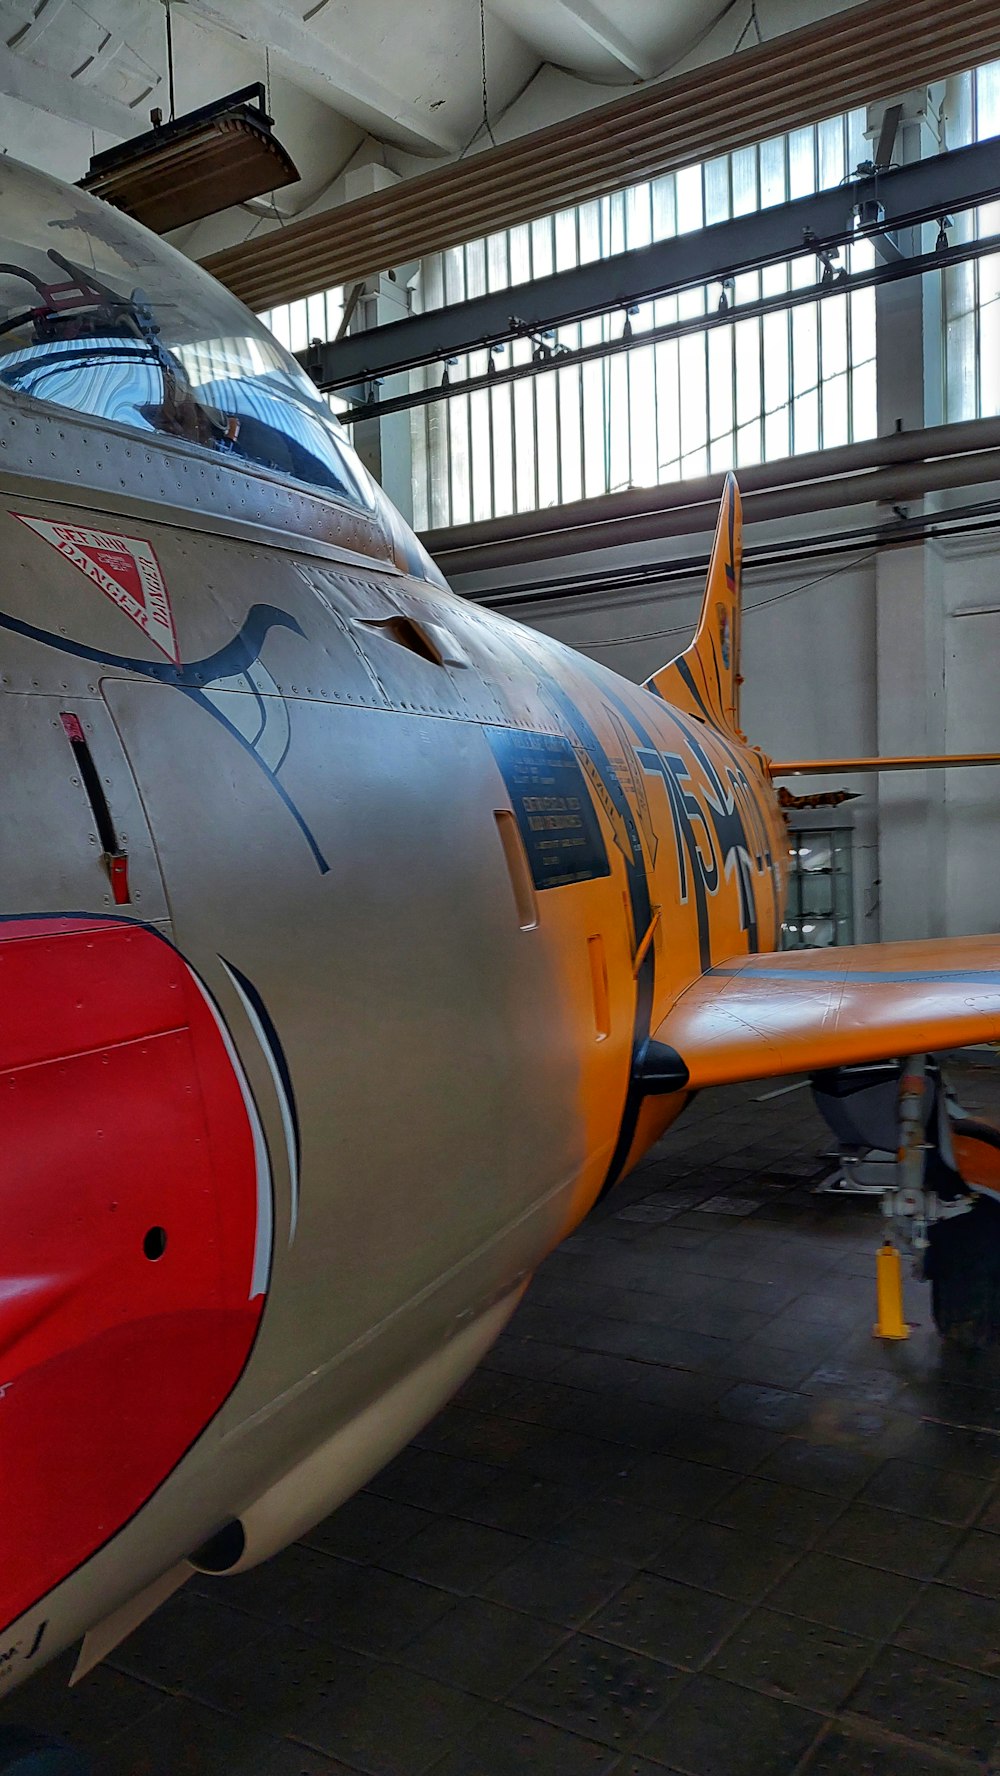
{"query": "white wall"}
(972, 723)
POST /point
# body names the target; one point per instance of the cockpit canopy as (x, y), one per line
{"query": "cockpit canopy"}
(100, 316)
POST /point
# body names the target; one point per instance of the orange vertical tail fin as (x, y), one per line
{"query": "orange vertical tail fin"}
(705, 678)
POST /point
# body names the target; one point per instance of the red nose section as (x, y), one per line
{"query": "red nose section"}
(135, 1234)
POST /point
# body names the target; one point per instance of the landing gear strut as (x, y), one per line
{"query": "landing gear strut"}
(953, 1234)
(26, 1753)
(943, 1202)
(948, 1201)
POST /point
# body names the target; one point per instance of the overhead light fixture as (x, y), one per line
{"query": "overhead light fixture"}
(193, 166)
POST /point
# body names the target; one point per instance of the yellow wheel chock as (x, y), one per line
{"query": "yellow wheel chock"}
(889, 1294)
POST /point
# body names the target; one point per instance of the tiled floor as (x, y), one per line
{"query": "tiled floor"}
(688, 1516)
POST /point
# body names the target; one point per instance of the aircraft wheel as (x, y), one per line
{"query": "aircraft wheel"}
(962, 1263)
(26, 1753)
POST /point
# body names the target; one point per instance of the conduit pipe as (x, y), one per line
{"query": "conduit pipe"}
(904, 465)
(979, 519)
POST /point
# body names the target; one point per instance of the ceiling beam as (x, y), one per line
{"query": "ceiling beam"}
(607, 36)
(45, 89)
(325, 71)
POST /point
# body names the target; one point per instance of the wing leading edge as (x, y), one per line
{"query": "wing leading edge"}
(796, 1011)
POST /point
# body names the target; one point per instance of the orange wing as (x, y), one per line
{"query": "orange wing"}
(799, 1010)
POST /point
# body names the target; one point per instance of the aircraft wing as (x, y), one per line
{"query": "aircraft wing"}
(796, 1011)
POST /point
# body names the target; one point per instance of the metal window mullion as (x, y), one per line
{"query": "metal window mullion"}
(583, 432)
(762, 403)
(447, 465)
(708, 400)
(735, 429)
(606, 415)
(450, 442)
(421, 424)
(428, 464)
(762, 418)
(791, 382)
(451, 462)
(425, 420)
(819, 374)
(656, 402)
(469, 456)
(513, 446)
(978, 335)
(976, 280)
(850, 370)
(628, 414)
(557, 403)
(493, 466)
(977, 303)
(680, 414)
(534, 435)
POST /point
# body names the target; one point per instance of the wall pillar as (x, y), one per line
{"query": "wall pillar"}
(909, 600)
(908, 313)
(384, 444)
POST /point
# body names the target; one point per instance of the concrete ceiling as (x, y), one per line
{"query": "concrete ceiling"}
(349, 82)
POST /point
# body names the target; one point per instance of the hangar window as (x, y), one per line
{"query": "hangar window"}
(99, 316)
(295, 324)
(753, 389)
(798, 379)
(972, 291)
(820, 890)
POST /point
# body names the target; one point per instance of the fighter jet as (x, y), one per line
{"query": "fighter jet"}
(353, 940)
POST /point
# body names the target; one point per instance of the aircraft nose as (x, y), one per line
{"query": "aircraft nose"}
(130, 1201)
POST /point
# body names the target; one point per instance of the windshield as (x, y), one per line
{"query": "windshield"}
(98, 315)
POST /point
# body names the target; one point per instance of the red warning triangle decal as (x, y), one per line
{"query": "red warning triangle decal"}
(125, 568)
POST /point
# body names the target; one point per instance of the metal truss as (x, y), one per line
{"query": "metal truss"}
(559, 357)
(872, 207)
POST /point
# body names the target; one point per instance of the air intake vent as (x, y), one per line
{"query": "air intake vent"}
(406, 633)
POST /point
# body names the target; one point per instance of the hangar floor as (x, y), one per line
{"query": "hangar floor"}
(688, 1516)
